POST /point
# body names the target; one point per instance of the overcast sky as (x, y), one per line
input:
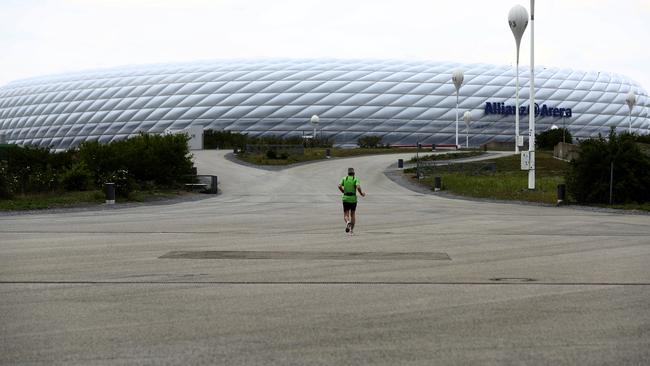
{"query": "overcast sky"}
(50, 36)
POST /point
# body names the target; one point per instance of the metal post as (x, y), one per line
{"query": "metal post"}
(437, 185)
(611, 183)
(417, 159)
(456, 118)
(561, 193)
(517, 106)
(214, 185)
(629, 129)
(531, 114)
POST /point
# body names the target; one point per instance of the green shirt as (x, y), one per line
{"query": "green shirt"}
(350, 184)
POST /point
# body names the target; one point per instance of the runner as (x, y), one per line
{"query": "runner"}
(349, 186)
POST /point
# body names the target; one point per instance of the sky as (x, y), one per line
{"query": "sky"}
(39, 37)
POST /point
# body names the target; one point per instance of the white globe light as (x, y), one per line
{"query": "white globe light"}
(554, 127)
(314, 120)
(631, 99)
(457, 77)
(518, 21)
(467, 117)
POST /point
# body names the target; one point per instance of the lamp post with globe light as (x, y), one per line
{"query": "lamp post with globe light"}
(630, 101)
(468, 118)
(314, 122)
(531, 104)
(518, 20)
(457, 77)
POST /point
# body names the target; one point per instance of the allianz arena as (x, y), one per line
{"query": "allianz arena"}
(405, 102)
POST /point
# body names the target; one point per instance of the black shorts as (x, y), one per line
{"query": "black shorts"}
(349, 206)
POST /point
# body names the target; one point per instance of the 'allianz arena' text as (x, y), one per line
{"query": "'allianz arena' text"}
(404, 102)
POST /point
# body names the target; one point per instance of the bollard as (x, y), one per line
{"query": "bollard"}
(214, 187)
(561, 193)
(437, 184)
(327, 153)
(400, 163)
(109, 188)
(235, 151)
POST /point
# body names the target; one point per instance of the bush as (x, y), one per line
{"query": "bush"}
(5, 191)
(270, 154)
(644, 139)
(213, 139)
(368, 142)
(33, 169)
(161, 159)
(549, 138)
(77, 178)
(588, 178)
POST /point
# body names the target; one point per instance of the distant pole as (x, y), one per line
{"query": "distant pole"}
(468, 118)
(611, 182)
(531, 113)
(314, 121)
(457, 77)
(630, 101)
(518, 20)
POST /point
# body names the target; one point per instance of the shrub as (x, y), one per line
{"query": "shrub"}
(549, 138)
(213, 139)
(162, 159)
(367, 142)
(271, 154)
(30, 169)
(5, 191)
(77, 178)
(644, 139)
(588, 178)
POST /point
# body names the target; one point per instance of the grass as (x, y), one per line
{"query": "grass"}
(40, 201)
(312, 154)
(448, 156)
(507, 183)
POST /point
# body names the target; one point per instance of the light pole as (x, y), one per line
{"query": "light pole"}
(457, 77)
(314, 122)
(468, 118)
(531, 104)
(518, 20)
(631, 101)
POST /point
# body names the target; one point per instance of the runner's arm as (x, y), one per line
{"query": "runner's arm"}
(341, 188)
(360, 191)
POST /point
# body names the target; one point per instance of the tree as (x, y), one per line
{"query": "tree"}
(549, 138)
(588, 178)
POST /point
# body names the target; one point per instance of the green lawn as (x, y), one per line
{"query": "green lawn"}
(447, 156)
(319, 154)
(507, 183)
(39, 201)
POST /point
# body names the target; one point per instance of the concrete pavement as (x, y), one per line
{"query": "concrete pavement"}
(521, 285)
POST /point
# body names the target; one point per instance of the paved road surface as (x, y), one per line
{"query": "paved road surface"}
(91, 288)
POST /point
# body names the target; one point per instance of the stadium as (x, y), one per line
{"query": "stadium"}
(404, 102)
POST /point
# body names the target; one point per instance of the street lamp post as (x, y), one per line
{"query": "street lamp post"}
(518, 20)
(468, 118)
(631, 101)
(457, 77)
(314, 122)
(531, 104)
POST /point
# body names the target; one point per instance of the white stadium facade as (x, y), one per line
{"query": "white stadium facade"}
(405, 102)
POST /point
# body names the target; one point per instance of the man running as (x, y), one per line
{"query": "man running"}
(349, 186)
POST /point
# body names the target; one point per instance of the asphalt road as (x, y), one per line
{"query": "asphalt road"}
(263, 274)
